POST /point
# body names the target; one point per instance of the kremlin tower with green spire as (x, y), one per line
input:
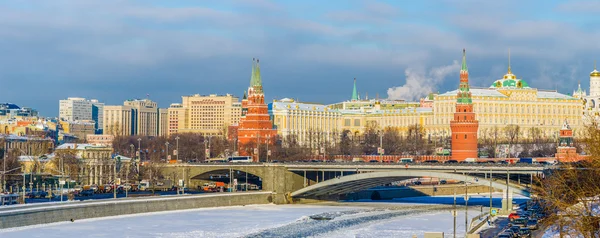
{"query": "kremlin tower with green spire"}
(256, 127)
(464, 126)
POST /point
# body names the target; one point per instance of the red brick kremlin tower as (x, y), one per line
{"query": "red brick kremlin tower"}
(464, 126)
(566, 151)
(255, 127)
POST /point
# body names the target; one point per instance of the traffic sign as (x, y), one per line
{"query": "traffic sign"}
(169, 157)
(174, 152)
(137, 153)
(235, 183)
(181, 183)
(61, 182)
(255, 150)
(269, 152)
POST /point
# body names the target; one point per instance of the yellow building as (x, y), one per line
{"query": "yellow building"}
(510, 101)
(117, 120)
(209, 115)
(79, 128)
(96, 165)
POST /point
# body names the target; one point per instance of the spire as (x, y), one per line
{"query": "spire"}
(257, 78)
(464, 61)
(354, 93)
(252, 75)
(464, 95)
(245, 95)
(509, 71)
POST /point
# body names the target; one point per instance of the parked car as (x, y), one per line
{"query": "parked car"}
(513, 216)
(515, 230)
(524, 232)
(451, 161)
(532, 224)
(431, 161)
(505, 235)
(443, 181)
(87, 192)
(519, 222)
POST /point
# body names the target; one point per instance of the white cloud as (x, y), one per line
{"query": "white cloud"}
(419, 83)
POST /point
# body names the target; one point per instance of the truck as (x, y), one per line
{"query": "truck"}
(214, 187)
(528, 161)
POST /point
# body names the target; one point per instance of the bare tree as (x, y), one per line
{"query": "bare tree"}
(572, 191)
(512, 133)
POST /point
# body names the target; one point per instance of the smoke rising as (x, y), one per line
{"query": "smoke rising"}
(420, 83)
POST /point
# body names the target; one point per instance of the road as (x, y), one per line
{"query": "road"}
(499, 225)
(105, 196)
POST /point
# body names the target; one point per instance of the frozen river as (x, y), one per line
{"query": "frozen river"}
(358, 219)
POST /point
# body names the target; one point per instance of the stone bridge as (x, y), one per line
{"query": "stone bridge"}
(290, 182)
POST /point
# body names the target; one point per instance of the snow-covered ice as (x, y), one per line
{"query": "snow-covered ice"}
(356, 219)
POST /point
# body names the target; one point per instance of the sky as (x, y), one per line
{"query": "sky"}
(310, 50)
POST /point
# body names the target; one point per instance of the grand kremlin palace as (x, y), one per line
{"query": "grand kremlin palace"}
(508, 101)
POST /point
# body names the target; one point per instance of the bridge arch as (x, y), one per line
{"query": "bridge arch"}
(358, 182)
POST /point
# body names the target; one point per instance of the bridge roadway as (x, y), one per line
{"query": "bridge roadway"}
(299, 180)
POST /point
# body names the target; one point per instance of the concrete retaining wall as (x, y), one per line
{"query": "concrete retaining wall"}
(25, 216)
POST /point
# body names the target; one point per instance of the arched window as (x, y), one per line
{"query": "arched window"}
(465, 136)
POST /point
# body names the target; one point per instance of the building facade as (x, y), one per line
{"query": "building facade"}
(80, 129)
(511, 101)
(117, 120)
(163, 122)
(256, 126)
(508, 101)
(209, 115)
(81, 109)
(9, 110)
(144, 115)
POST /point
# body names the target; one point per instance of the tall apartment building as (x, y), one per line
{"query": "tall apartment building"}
(117, 120)
(144, 117)
(81, 109)
(209, 115)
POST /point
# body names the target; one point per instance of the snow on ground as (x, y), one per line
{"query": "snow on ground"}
(206, 222)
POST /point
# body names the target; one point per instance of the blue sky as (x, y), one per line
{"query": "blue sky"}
(115, 50)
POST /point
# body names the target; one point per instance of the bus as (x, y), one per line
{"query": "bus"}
(216, 160)
(240, 159)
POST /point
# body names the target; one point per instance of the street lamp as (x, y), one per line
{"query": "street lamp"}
(177, 140)
(268, 151)
(139, 155)
(380, 146)
(132, 150)
(4, 164)
(167, 145)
